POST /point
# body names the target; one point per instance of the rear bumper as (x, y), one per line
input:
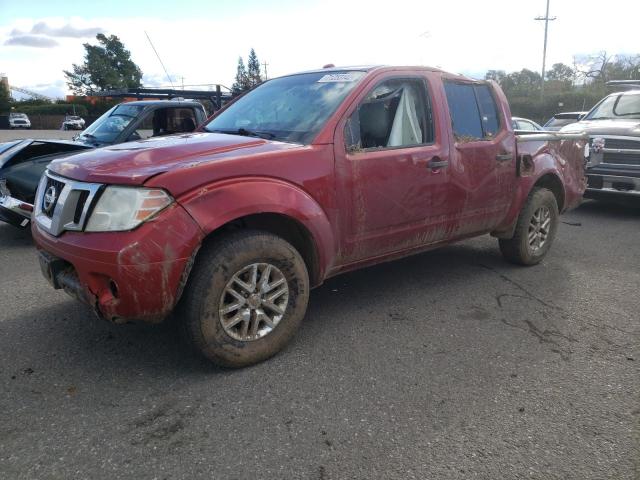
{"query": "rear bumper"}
(615, 185)
(124, 276)
(14, 211)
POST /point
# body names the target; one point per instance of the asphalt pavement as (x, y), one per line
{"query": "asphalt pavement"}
(447, 365)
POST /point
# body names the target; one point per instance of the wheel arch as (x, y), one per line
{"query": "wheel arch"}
(551, 181)
(269, 205)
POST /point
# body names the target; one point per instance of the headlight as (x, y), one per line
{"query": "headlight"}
(124, 208)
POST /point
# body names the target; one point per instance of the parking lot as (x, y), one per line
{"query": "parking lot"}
(6, 135)
(450, 364)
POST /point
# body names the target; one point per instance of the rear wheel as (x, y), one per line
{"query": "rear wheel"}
(245, 299)
(535, 230)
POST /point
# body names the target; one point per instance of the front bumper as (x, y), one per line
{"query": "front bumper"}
(14, 211)
(614, 185)
(135, 275)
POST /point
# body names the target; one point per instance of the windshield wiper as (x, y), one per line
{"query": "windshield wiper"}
(247, 133)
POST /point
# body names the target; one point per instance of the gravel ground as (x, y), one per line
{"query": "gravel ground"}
(447, 365)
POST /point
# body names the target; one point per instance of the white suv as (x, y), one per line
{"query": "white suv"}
(19, 120)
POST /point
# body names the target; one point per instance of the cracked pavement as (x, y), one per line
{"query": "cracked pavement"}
(450, 364)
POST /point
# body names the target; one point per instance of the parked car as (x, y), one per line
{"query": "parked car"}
(73, 122)
(23, 162)
(559, 120)
(19, 120)
(613, 125)
(305, 177)
(525, 125)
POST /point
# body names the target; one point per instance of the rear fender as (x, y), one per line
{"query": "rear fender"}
(222, 202)
(535, 164)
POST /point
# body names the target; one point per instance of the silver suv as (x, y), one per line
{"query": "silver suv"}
(613, 126)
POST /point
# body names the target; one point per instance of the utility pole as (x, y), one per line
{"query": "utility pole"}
(266, 76)
(546, 19)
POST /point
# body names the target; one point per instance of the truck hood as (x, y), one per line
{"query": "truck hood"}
(605, 127)
(133, 163)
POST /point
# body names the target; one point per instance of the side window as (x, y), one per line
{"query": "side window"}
(488, 110)
(396, 113)
(181, 120)
(465, 116)
(474, 115)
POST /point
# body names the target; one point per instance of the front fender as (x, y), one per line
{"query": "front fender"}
(222, 202)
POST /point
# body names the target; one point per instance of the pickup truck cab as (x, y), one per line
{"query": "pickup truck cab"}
(303, 178)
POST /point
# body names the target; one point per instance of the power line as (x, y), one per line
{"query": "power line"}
(159, 59)
(546, 19)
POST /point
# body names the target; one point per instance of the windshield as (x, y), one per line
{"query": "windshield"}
(617, 106)
(110, 125)
(18, 115)
(289, 109)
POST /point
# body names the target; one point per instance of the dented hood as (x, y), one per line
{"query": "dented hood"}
(133, 163)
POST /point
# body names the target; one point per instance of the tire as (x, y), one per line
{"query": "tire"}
(206, 292)
(519, 249)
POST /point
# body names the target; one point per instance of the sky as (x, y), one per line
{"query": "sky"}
(200, 41)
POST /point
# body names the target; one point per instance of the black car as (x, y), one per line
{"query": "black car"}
(559, 120)
(22, 162)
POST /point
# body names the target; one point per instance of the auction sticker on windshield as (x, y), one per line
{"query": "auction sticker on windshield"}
(339, 77)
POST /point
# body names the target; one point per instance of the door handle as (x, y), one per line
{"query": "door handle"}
(436, 163)
(504, 157)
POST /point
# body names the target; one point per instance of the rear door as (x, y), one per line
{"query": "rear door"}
(392, 162)
(483, 151)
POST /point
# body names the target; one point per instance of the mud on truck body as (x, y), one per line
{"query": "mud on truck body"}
(305, 177)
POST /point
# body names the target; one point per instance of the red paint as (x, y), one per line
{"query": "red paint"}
(359, 209)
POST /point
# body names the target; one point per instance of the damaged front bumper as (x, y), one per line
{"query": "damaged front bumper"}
(124, 276)
(14, 211)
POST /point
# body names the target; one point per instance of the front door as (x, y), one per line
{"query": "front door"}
(392, 164)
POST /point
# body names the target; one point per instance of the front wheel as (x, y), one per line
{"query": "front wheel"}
(535, 230)
(245, 298)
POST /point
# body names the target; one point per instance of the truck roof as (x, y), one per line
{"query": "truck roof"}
(370, 68)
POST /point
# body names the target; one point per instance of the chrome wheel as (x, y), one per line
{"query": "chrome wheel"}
(539, 228)
(253, 302)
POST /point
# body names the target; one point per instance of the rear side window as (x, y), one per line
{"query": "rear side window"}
(488, 110)
(473, 111)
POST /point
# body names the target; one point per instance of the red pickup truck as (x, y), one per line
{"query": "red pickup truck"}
(305, 177)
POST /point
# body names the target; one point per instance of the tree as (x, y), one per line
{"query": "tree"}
(561, 72)
(242, 79)
(253, 69)
(495, 75)
(249, 77)
(107, 66)
(5, 98)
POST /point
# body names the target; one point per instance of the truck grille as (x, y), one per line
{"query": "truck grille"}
(622, 143)
(53, 189)
(620, 158)
(63, 204)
